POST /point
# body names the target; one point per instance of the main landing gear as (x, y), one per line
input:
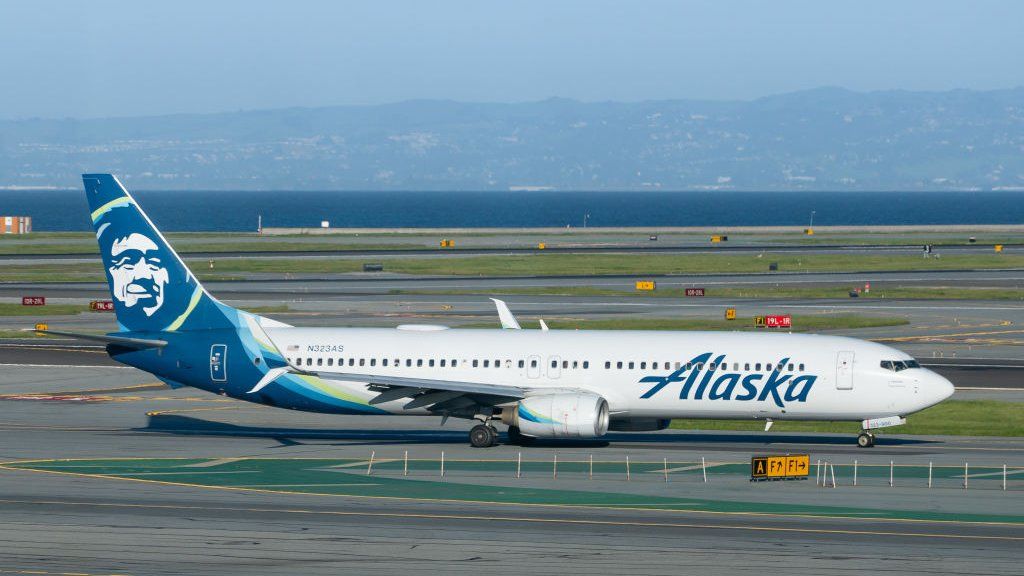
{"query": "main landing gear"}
(483, 436)
(866, 439)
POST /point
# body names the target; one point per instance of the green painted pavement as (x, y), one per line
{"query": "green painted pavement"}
(347, 477)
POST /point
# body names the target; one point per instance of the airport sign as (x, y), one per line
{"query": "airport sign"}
(33, 300)
(778, 321)
(780, 467)
(694, 292)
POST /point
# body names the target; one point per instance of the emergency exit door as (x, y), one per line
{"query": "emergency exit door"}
(219, 362)
(844, 370)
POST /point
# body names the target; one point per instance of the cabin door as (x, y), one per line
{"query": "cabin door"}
(844, 370)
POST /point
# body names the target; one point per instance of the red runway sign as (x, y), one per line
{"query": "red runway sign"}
(101, 305)
(778, 321)
(33, 300)
(694, 291)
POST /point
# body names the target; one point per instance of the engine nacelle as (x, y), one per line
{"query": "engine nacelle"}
(573, 415)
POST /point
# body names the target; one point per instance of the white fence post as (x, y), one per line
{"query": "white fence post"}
(627, 468)
(442, 463)
(965, 475)
(519, 465)
(369, 465)
(704, 469)
(405, 464)
(554, 466)
(833, 469)
(817, 473)
(591, 466)
(665, 467)
(891, 466)
(929, 474)
(1004, 477)
(854, 472)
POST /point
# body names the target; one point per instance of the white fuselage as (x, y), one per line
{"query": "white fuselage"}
(641, 374)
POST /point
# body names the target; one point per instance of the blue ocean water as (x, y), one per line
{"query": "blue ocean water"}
(237, 211)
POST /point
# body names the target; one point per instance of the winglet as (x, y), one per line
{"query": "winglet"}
(270, 376)
(508, 321)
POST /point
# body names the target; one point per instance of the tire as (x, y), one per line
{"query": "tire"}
(865, 440)
(481, 436)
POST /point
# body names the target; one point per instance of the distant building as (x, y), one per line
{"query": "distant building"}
(15, 224)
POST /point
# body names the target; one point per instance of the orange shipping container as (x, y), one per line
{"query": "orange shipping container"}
(15, 224)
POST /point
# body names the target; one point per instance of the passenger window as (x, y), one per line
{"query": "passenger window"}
(497, 363)
(554, 364)
(298, 361)
(522, 363)
(351, 361)
(454, 363)
(362, 361)
(487, 363)
(430, 363)
(735, 366)
(586, 364)
(575, 364)
(565, 363)
(330, 361)
(309, 361)
(711, 367)
(607, 365)
(689, 365)
(419, 362)
(618, 365)
(319, 361)
(667, 365)
(757, 367)
(442, 362)
(643, 365)
(631, 364)
(384, 362)
(373, 361)
(746, 366)
(790, 367)
(408, 362)
(533, 363)
(801, 367)
(475, 363)
(700, 365)
(677, 365)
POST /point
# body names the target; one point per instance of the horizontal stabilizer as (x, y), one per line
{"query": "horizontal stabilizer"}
(140, 343)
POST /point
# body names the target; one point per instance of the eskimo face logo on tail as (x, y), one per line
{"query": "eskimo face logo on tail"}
(701, 376)
(138, 276)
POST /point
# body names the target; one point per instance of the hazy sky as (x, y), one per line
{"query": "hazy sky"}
(108, 58)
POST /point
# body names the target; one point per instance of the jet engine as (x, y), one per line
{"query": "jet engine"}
(571, 415)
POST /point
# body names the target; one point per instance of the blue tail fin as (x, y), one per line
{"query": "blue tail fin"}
(152, 289)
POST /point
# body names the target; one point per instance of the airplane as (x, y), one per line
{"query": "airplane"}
(539, 383)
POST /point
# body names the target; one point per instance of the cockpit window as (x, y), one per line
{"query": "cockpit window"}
(899, 365)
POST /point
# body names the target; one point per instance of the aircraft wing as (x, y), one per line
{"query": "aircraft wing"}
(433, 394)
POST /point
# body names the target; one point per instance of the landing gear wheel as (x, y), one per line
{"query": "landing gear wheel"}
(482, 436)
(866, 440)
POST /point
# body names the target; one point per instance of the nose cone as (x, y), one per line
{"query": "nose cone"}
(937, 387)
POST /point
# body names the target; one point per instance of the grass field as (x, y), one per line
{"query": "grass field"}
(547, 265)
(41, 311)
(952, 417)
(800, 323)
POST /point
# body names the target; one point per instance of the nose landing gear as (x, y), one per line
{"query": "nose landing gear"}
(866, 439)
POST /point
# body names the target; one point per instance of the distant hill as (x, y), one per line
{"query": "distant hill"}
(823, 139)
